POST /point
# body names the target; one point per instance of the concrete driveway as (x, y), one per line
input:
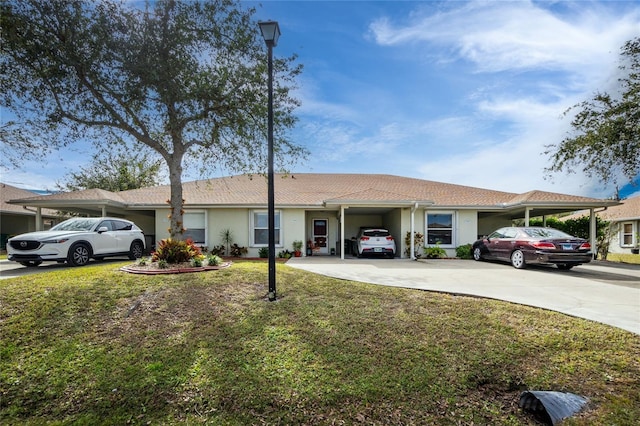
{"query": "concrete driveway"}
(600, 291)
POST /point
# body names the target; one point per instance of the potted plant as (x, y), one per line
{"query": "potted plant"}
(297, 248)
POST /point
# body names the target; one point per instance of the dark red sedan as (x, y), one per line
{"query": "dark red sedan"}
(525, 245)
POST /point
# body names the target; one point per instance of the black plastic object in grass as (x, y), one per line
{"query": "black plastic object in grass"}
(551, 407)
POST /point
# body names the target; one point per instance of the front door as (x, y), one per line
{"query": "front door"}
(320, 236)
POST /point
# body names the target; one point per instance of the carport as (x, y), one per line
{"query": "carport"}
(525, 209)
(377, 208)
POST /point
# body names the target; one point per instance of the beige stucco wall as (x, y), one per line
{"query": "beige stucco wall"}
(489, 224)
(297, 225)
(353, 223)
(467, 227)
(392, 221)
(293, 229)
(238, 221)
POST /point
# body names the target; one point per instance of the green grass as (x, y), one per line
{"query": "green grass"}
(624, 258)
(94, 345)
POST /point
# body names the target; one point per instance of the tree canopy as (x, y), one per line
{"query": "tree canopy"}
(186, 79)
(115, 169)
(605, 141)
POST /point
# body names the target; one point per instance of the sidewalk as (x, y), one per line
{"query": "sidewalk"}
(601, 292)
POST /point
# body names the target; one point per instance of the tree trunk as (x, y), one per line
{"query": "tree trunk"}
(176, 202)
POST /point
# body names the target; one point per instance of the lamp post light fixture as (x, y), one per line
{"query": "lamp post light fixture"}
(271, 32)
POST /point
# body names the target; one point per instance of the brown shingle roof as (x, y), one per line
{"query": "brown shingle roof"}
(547, 197)
(628, 210)
(8, 192)
(314, 189)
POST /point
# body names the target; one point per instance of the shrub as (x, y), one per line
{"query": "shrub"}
(284, 254)
(418, 241)
(218, 250)
(176, 251)
(435, 252)
(237, 251)
(196, 261)
(263, 252)
(464, 251)
(214, 260)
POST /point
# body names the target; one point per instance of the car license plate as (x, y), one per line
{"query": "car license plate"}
(377, 249)
(567, 247)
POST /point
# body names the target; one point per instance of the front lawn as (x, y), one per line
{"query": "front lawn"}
(94, 345)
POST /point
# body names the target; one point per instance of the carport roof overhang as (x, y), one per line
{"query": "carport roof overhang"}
(375, 206)
(88, 207)
(538, 209)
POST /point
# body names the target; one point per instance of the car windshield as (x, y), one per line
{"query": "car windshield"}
(75, 225)
(545, 233)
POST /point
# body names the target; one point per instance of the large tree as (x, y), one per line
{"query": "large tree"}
(605, 141)
(186, 79)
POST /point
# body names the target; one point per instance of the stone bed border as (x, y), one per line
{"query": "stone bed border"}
(133, 270)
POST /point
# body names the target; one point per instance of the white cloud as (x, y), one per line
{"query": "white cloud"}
(498, 36)
(542, 62)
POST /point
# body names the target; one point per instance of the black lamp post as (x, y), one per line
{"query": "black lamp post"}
(271, 32)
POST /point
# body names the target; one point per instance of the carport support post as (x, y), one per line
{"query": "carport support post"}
(526, 216)
(342, 232)
(39, 224)
(413, 227)
(593, 233)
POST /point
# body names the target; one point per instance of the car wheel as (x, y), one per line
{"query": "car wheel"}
(564, 266)
(31, 263)
(477, 254)
(517, 259)
(135, 252)
(79, 254)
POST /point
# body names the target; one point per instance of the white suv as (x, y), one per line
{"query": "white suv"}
(77, 240)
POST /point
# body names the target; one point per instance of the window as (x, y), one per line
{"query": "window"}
(626, 234)
(439, 229)
(120, 226)
(194, 225)
(260, 228)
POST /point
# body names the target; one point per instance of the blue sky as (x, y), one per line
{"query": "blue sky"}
(460, 92)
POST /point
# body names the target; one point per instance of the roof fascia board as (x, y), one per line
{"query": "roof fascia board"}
(371, 203)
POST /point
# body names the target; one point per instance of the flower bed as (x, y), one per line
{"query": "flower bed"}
(152, 268)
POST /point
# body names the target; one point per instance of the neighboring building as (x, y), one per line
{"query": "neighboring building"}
(324, 209)
(624, 224)
(16, 219)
